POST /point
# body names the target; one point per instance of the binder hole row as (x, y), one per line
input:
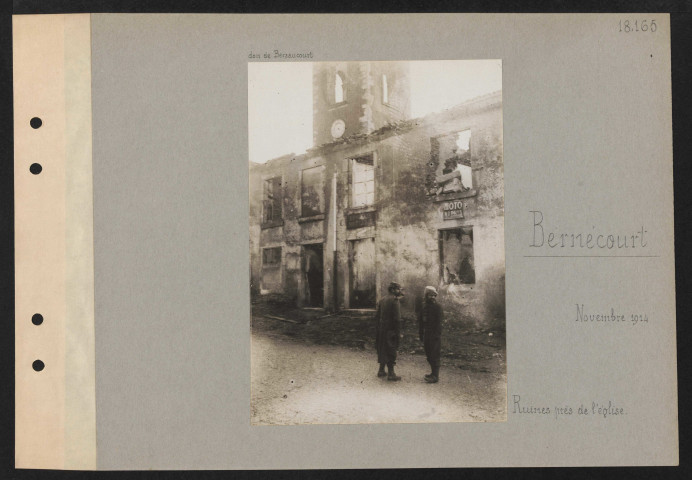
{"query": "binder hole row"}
(35, 168)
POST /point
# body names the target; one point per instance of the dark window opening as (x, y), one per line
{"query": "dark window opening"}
(313, 271)
(271, 256)
(456, 256)
(271, 206)
(312, 192)
(363, 274)
(270, 279)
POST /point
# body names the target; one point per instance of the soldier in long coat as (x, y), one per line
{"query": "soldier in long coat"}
(430, 332)
(388, 320)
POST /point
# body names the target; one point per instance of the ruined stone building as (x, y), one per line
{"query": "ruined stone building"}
(383, 197)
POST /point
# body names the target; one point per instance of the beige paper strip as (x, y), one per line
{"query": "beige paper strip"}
(55, 407)
(80, 403)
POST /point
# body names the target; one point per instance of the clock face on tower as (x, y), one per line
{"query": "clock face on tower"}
(338, 128)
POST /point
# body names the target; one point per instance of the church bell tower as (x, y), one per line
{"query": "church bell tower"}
(352, 98)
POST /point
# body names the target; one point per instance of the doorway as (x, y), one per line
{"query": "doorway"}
(363, 274)
(313, 274)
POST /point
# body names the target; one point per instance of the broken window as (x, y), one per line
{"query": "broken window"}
(385, 89)
(362, 181)
(271, 206)
(339, 92)
(451, 159)
(312, 191)
(456, 256)
(271, 256)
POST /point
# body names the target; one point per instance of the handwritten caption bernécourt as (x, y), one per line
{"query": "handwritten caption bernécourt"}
(594, 408)
(552, 238)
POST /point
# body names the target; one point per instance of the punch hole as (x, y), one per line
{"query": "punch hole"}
(38, 365)
(35, 122)
(35, 168)
(37, 319)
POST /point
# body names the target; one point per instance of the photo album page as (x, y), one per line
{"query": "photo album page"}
(359, 241)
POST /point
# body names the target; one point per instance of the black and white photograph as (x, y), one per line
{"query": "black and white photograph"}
(377, 252)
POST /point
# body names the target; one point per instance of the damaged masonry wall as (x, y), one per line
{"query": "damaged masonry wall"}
(416, 231)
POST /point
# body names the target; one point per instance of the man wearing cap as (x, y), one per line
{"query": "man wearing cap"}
(388, 321)
(430, 332)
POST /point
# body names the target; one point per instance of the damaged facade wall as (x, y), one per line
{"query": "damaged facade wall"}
(406, 221)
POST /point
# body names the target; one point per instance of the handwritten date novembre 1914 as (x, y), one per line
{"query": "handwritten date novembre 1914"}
(608, 317)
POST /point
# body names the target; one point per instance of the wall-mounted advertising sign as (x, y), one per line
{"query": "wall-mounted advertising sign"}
(360, 220)
(452, 209)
